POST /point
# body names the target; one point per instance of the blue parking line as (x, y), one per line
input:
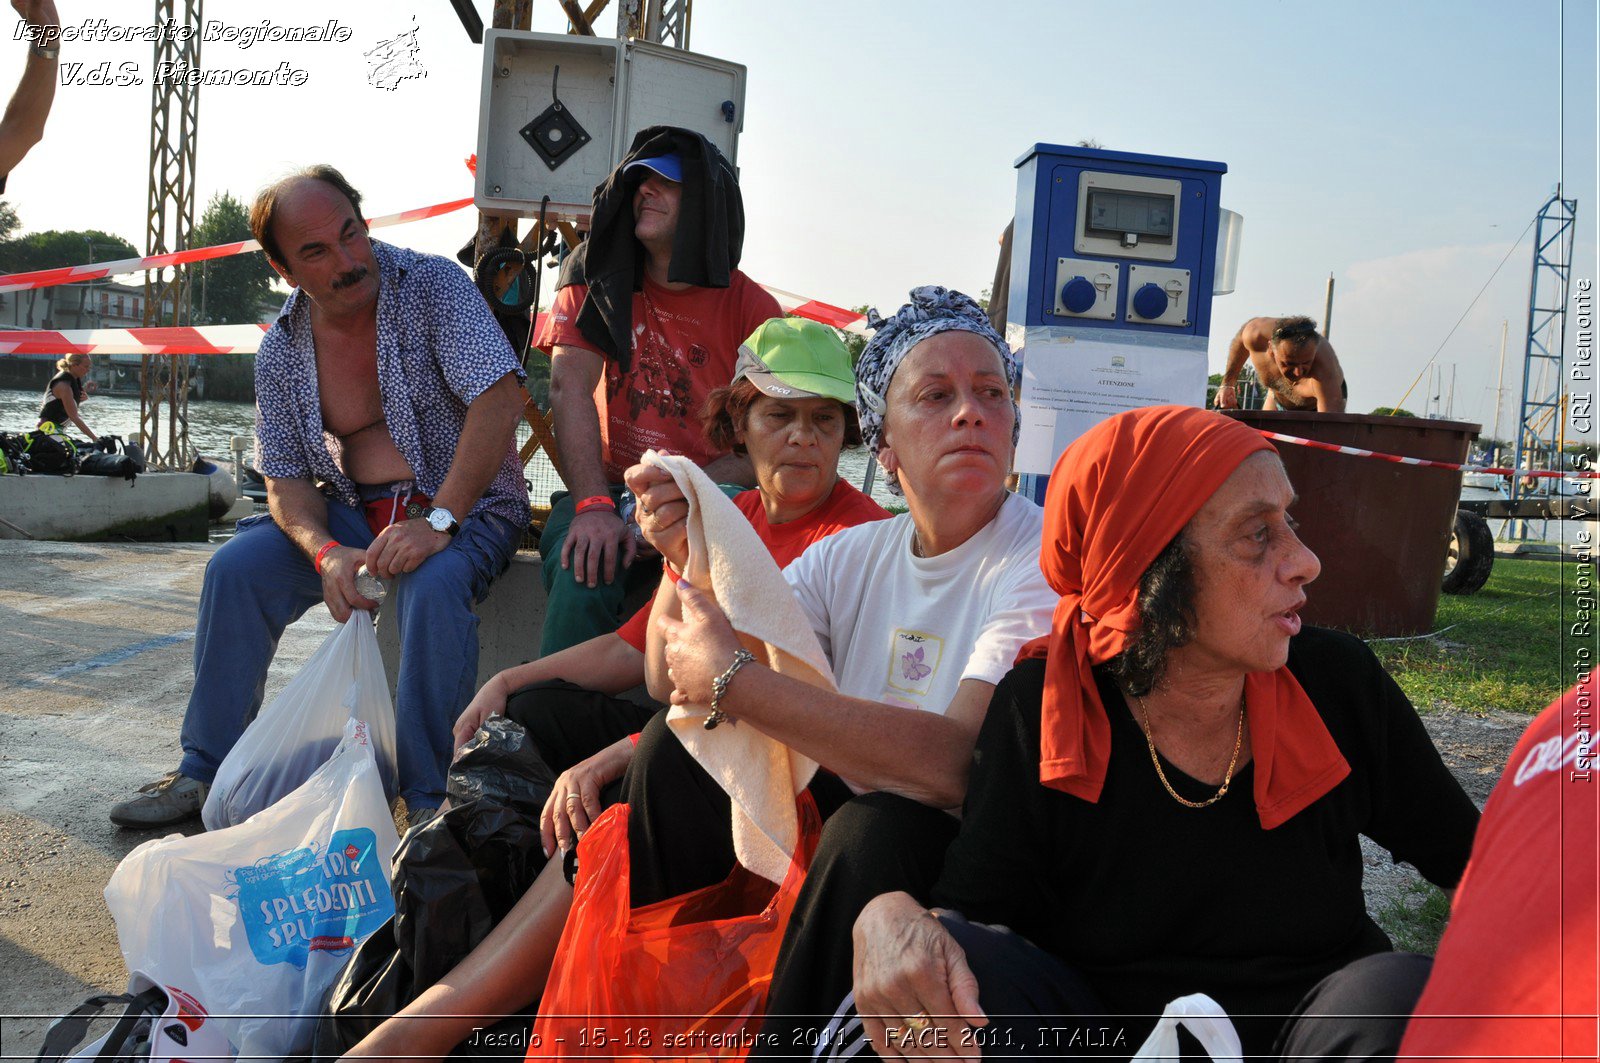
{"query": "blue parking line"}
(116, 656)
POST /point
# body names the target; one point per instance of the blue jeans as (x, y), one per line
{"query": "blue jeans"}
(259, 582)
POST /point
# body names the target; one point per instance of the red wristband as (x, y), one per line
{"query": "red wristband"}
(595, 502)
(329, 545)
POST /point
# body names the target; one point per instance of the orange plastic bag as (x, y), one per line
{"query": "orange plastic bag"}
(685, 978)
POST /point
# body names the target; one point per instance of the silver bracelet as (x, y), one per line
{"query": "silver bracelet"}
(719, 686)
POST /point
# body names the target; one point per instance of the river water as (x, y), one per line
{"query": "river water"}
(212, 426)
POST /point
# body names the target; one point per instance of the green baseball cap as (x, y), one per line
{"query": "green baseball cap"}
(794, 358)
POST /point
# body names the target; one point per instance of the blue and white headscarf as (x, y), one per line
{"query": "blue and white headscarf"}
(932, 310)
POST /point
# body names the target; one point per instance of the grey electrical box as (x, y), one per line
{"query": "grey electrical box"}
(558, 112)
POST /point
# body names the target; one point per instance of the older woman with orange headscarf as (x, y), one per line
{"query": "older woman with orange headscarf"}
(1168, 791)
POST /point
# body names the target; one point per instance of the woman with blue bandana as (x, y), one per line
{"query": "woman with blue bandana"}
(920, 617)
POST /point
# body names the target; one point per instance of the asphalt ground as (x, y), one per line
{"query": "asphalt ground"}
(96, 661)
(96, 644)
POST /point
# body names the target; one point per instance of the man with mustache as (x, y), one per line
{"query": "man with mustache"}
(646, 324)
(1292, 360)
(386, 404)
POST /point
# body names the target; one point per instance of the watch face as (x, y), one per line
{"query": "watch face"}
(440, 520)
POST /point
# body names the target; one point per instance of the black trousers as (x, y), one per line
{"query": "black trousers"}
(569, 724)
(680, 837)
(679, 840)
(876, 843)
(1040, 1007)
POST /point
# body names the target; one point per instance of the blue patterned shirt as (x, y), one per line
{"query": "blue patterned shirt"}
(439, 348)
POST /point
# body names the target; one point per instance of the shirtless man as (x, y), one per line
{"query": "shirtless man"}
(1295, 364)
(386, 405)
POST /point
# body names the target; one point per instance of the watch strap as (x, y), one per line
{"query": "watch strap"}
(455, 525)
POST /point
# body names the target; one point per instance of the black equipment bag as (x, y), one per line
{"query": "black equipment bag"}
(129, 1039)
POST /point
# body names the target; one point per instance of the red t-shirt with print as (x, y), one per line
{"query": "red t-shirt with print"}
(1515, 974)
(845, 508)
(685, 344)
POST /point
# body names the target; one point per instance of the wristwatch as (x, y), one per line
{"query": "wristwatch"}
(441, 520)
(51, 52)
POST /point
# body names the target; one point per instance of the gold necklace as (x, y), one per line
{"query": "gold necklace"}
(1227, 776)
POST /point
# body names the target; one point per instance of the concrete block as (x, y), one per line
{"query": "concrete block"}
(511, 619)
(510, 622)
(162, 506)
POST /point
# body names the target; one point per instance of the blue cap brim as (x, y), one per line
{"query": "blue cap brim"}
(668, 166)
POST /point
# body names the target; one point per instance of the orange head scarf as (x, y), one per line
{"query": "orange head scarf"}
(1117, 497)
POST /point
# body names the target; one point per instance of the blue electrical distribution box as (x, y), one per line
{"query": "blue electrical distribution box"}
(1113, 267)
(1115, 240)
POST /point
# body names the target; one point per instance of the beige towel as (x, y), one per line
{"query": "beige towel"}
(761, 775)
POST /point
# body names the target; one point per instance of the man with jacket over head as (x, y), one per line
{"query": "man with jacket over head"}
(647, 322)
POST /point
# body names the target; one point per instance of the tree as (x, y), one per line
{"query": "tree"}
(1392, 411)
(227, 291)
(9, 222)
(854, 342)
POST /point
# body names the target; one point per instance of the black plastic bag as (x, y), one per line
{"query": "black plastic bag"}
(455, 877)
(96, 464)
(376, 982)
(110, 456)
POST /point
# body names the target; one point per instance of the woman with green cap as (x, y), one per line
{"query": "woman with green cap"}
(790, 407)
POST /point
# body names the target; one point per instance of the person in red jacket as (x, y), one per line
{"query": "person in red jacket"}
(1514, 977)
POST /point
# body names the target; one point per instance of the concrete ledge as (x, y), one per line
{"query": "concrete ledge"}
(164, 506)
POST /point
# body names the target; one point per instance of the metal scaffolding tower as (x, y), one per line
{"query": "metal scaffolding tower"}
(1541, 422)
(658, 21)
(175, 109)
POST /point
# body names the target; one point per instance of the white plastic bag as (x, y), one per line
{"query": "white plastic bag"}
(1201, 1016)
(299, 729)
(262, 917)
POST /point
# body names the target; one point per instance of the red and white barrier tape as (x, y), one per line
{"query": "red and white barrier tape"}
(49, 278)
(816, 310)
(245, 339)
(210, 339)
(1357, 452)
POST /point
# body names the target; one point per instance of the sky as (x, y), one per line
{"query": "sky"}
(1401, 148)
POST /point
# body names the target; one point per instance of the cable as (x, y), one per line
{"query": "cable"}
(1458, 623)
(536, 267)
(1464, 314)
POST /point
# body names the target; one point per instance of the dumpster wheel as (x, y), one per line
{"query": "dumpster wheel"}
(1471, 557)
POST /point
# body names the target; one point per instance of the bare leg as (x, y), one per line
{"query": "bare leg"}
(503, 975)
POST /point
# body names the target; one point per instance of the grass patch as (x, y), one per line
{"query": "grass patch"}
(1497, 649)
(1415, 919)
